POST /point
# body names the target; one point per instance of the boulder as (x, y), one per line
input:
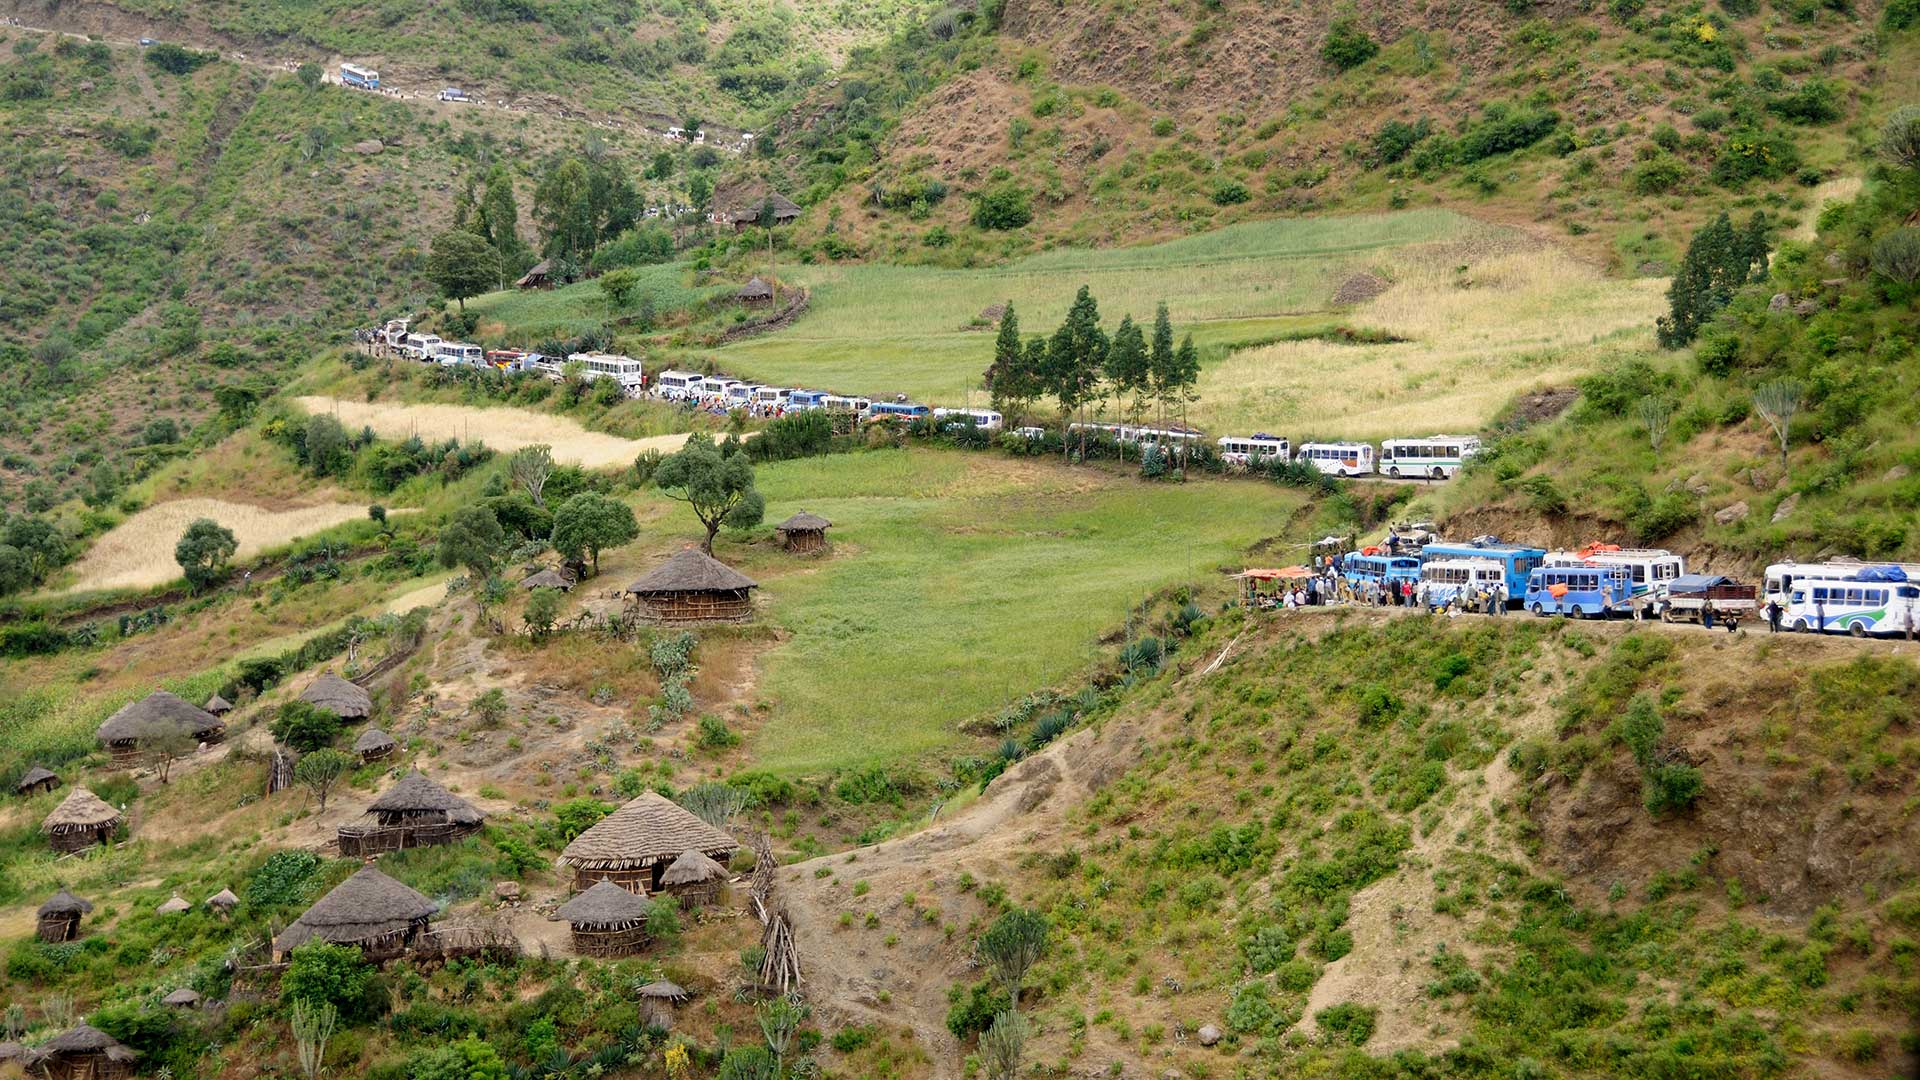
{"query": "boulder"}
(1209, 1035)
(1780, 302)
(508, 891)
(1731, 513)
(1786, 508)
(1898, 472)
(1806, 307)
(369, 147)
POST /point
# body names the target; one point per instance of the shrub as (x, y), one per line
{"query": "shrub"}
(1671, 788)
(1349, 1022)
(1347, 45)
(304, 727)
(713, 735)
(1230, 192)
(322, 973)
(175, 60)
(282, 880)
(971, 1010)
(1004, 207)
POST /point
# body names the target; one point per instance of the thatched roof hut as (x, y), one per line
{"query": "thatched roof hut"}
(693, 586)
(695, 879)
(634, 845)
(539, 277)
(223, 902)
(12, 1051)
(657, 1000)
(755, 291)
(36, 780)
(59, 918)
(339, 697)
(804, 532)
(416, 812)
(82, 1053)
(374, 744)
(81, 820)
(158, 716)
(607, 920)
(174, 906)
(369, 909)
(184, 998)
(548, 579)
(218, 706)
(740, 206)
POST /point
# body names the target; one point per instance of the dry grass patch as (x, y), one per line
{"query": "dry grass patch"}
(1475, 336)
(504, 429)
(138, 553)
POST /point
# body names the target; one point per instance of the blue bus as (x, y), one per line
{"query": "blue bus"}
(359, 78)
(802, 400)
(1579, 591)
(1518, 559)
(902, 410)
(1379, 569)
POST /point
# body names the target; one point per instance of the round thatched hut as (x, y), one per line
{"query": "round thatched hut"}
(634, 845)
(804, 532)
(158, 717)
(338, 696)
(81, 820)
(695, 879)
(174, 906)
(223, 902)
(548, 579)
(607, 920)
(218, 706)
(755, 291)
(416, 812)
(82, 1053)
(693, 586)
(373, 745)
(35, 781)
(657, 1000)
(59, 918)
(370, 910)
(184, 998)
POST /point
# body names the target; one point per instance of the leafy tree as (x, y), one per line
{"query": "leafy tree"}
(700, 190)
(618, 287)
(1162, 373)
(1004, 207)
(203, 552)
(16, 571)
(563, 210)
(543, 610)
(175, 60)
(1076, 358)
(661, 167)
(717, 487)
(531, 467)
(166, 747)
(1129, 366)
(474, 539)
(463, 264)
(1347, 45)
(497, 218)
(1718, 261)
(320, 770)
(1013, 382)
(310, 75)
(306, 728)
(1777, 402)
(591, 522)
(322, 973)
(1011, 945)
(324, 441)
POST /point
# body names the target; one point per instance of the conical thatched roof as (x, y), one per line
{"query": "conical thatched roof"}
(416, 794)
(65, 903)
(174, 906)
(606, 904)
(373, 739)
(155, 715)
(804, 522)
(661, 988)
(365, 906)
(692, 570)
(755, 289)
(693, 868)
(36, 775)
(12, 1051)
(85, 1039)
(648, 830)
(339, 697)
(217, 705)
(224, 900)
(81, 809)
(186, 995)
(548, 579)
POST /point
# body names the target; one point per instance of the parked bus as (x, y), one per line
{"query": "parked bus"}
(715, 388)
(420, 346)
(1517, 560)
(677, 385)
(358, 77)
(836, 403)
(505, 359)
(625, 370)
(459, 354)
(771, 397)
(739, 395)
(1338, 458)
(1650, 569)
(454, 93)
(806, 400)
(1578, 591)
(895, 410)
(1249, 450)
(1379, 569)
(1435, 457)
(1878, 603)
(984, 419)
(1445, 579)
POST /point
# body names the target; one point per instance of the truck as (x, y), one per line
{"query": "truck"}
(1689, 594)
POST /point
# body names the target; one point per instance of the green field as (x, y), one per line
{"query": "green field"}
(526, 318)
(960, 582)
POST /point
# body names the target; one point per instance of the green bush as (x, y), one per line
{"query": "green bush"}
(1230, 192)
(1002, 208)
(285, 879)
(175, 60)
(971, 1009)
(1347, 45)
(304, 727)
(1348, 1022)
(322, 973)
(1671, 788)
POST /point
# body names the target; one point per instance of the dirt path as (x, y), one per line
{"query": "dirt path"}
(503, 429)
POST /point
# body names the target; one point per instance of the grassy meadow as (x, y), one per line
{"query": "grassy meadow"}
(526, 318)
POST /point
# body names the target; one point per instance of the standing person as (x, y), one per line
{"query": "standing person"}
(1773, 616)
(1907, 622)
(1706, 614)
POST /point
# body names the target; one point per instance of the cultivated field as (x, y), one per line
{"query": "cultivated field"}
(533, 316)
(503, 429)
(138, 552)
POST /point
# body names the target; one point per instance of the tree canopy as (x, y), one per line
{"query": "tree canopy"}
(474, 539)
(589, 523)
(717, 486)
(463, 264)
(203, 552)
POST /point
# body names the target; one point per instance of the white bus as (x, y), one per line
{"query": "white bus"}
(1245, 450)
(1782, 577)
(836, 403)
(459, 354)
(713, 389)
(1128, 433)
(984, 419)
(740, 395)
(420, 346)
(360, 78)
(1436, 457)
(1850, 605)
(1649, 569)
(1338, 458)
(624, 370)
(1448, 578)
(771, 397)
(678, 385)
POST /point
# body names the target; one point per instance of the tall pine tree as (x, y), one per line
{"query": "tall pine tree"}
(1076, 359)
(1127, 370)
(1012, 379)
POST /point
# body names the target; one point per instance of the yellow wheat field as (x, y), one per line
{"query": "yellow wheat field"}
(504, 429)
(138, 552)
(1477, 334)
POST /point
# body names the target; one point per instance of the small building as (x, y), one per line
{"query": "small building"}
(607, 920)
(695, 880)
(82, 820)
(634, 845)
(371, 910)
(82, 1053)
(159, 717)
(693, 586)
(374, 745)
(657, 1001)
(549, 579)
(37, 779)
(184, 998)
(174, 906)
(223, 902)
(755, 291)
(339, 697)
(416, 812)
(540, 277)
(743, 208)
(59, 918)
(218, 706)
(804, 532)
